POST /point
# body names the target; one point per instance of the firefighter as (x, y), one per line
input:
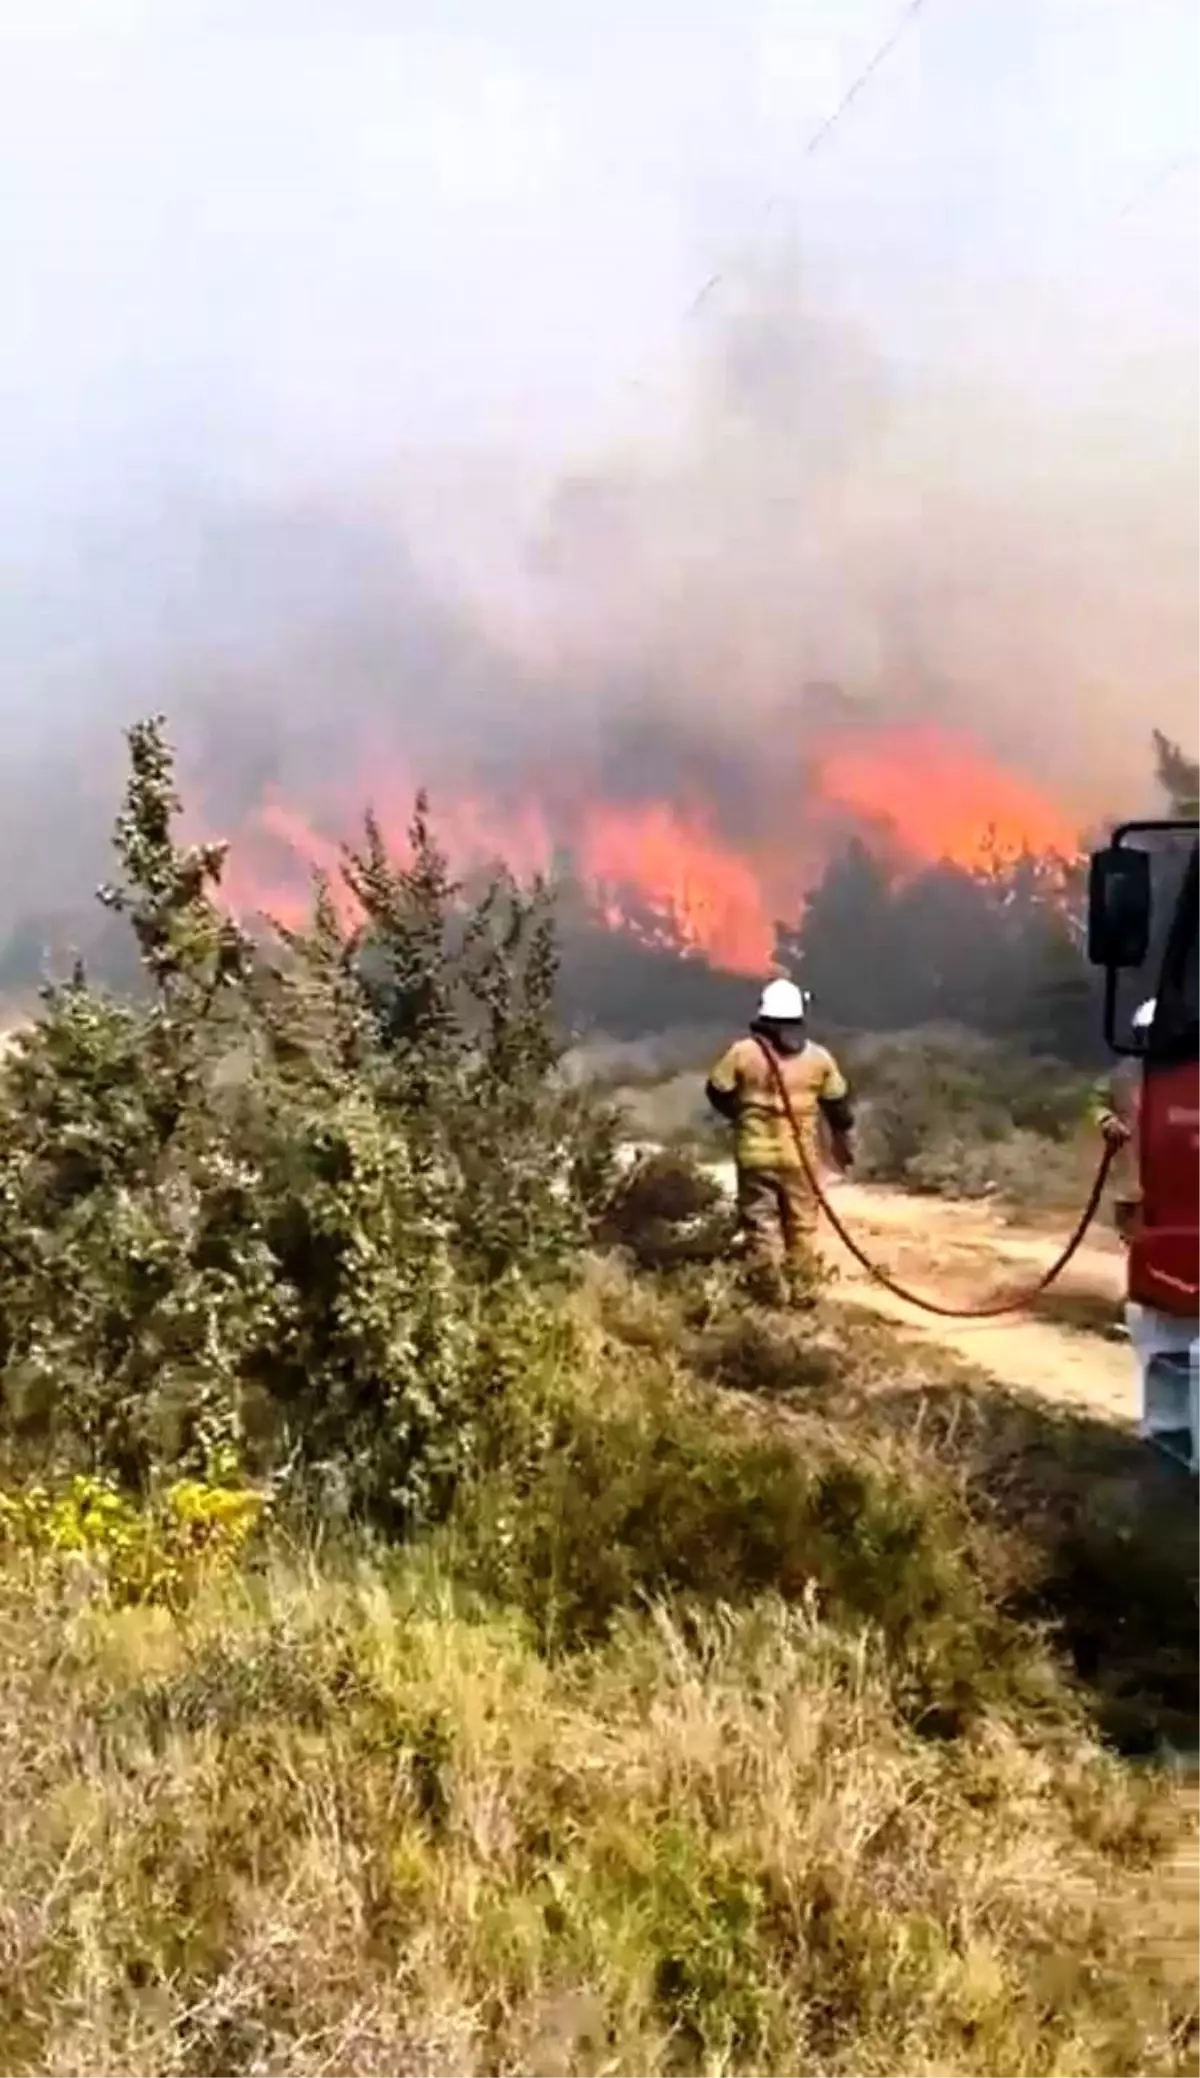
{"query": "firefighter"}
(776, 1207)
(1117, 1113)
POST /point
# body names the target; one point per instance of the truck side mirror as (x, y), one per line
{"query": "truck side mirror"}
(1119, 908)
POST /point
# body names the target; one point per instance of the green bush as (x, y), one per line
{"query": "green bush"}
(947, 1111)
(300, 1203)
(593, 1505)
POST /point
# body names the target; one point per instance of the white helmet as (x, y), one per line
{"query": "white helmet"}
(1143, 1016)
(782, 1002)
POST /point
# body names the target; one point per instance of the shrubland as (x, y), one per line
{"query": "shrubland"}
(448, 1628)
(947, 1112)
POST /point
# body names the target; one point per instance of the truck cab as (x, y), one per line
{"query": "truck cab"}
(1143, 904)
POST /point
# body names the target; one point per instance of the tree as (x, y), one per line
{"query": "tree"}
(947, 945)
(1178, 776)
(845, 946)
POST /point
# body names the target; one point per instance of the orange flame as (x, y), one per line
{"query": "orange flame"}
(709, 899)
(932, 797)
(667, 872)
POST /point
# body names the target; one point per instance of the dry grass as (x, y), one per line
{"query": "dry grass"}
(678, 1805)
(347, 1826)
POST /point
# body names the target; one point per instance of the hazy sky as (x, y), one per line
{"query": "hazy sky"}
(257, 249)
(253, 238)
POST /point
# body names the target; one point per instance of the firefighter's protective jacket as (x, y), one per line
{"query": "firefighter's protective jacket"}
(762, 1136)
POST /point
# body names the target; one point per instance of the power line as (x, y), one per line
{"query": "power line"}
(1149, 189)
(826, 129)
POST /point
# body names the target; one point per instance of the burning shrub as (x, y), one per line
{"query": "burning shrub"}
(303, 1203)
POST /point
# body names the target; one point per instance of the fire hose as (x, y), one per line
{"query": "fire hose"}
(994, 1307)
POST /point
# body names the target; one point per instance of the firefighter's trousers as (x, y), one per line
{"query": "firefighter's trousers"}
(778, 1216)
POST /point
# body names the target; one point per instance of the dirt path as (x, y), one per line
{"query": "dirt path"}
(1068, 1346)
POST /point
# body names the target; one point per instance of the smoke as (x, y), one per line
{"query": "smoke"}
(797, 540)
(947, 555)
(805, 534)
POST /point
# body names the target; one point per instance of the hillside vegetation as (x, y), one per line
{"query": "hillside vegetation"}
(433, 1644)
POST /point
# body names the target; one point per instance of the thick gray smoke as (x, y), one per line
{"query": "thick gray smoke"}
(799, 539)
(1024, 570)
(801, 518)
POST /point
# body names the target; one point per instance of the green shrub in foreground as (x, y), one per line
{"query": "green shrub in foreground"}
(297, 1206)
(610, 1506)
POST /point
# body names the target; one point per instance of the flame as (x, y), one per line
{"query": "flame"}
(666, 871)
(708, 898)
(931, 797)
(270, 868)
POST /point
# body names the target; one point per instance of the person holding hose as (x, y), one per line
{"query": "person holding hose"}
(1116, 1108)
(776, 1206)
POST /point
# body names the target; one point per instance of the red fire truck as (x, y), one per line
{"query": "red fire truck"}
(1143, 900)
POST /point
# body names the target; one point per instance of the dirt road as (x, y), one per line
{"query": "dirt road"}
(1068, 1346)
